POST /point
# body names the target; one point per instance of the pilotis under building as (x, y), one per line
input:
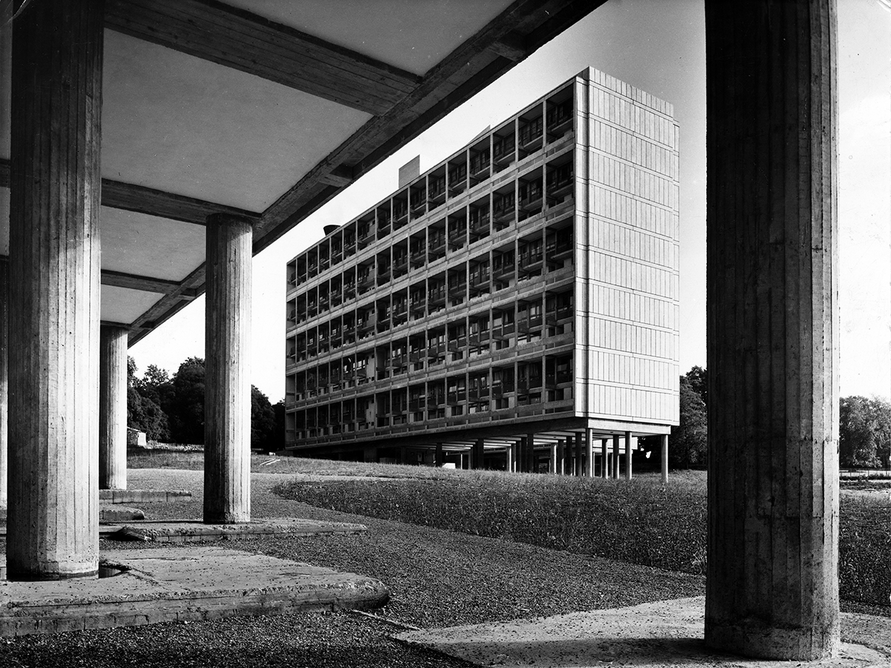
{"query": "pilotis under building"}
(516, 306)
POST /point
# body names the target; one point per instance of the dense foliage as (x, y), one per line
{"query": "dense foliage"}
(688, 442)
(172, 408)
(864, 433)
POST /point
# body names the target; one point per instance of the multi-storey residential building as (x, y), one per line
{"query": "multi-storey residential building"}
(517, 302)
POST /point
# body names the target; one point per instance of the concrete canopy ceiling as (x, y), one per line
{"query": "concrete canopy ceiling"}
(265, 108)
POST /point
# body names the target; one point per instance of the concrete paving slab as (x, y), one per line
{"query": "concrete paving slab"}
(195, 531)
(652, 635)
(168, 584)
(117, 513)
(143, 495)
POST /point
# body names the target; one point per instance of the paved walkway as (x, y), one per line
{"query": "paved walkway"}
(167, 584)
(652, 635)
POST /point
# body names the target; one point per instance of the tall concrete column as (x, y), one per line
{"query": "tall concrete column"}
(510, 457)
(589, 453)
(53, 519)
(628, 444)
(478, 454)
(440, 460)
(552, 460)
(113, 407)
(604, 458)
(772, 329)
(615, 465)
(579, 454)
(227, 412)
(4, 379)
(664, 439)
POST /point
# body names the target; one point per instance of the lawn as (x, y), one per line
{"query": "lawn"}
(643, 522)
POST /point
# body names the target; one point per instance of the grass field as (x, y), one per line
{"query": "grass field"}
(643, 522)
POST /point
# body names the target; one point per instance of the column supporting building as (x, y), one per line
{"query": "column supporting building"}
(227, 422)
(589, 453)
(113, 407)
(615, 466)
(664, 454)
(604, 458)
(628, 446)
(772, 586)
(53, 517)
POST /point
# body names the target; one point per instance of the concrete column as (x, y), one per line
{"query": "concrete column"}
(440, 459)
(604, 458)
(772, 587)
(664, 439)
(552, 461)
(530, 454)
(113, 407)
(579, 454)
(227, 404)
(589, 453)
(615, 463)
(509, 458)
(4, 378)
(53, 520)
(628, 444)
(478, 454)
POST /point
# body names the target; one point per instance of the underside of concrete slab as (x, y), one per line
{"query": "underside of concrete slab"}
(652, 635)
(169, 584)
(143, 495)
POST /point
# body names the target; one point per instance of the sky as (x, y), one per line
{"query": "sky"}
(658, 46)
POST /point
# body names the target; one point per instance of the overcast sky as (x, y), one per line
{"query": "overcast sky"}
(658, 46)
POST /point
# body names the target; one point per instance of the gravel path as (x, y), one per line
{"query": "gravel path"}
(436, 577)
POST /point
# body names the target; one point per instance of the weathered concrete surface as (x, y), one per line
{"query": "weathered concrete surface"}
(195, 531)
(652, 635)
(227, 403)
(168, 584)
(772, 286)
(142, 495)
(118, 513)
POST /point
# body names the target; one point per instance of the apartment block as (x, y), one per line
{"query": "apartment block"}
(515, 306)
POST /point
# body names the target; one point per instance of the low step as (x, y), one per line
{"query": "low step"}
(143, 495)
(194, 531)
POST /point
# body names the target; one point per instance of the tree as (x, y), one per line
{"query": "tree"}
(688, 442)
(698, 379)
(864, 432)
(262, 421)
(143, 409)
(185, 406)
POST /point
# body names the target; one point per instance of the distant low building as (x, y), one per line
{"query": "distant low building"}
(512, 307)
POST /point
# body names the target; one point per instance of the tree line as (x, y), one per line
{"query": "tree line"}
(864, 428)
(170, 409)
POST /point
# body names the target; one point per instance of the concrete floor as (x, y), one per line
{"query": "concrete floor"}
(167, 584)
(652, 635)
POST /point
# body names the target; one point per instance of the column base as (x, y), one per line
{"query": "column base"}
(227, 518)
(31, 576)
(762, 642)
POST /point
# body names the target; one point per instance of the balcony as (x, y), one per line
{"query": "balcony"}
(479, 223)
(559, 119)
(457, 180)
(366, 234)
(479, 166)
(530, 136)
(457, 238)
(530, 197)
(418, 307)
(502, 330)
(400, 214)
(436, 244)
(560, 184)
(530, 259)
(400, 263)
(504, 209)
(418, 256)
(504, 150)
(529, 323)
(365, 280)
(480, 336)
(437, 296)
(436, 193)
(559, 248)
(458, 343)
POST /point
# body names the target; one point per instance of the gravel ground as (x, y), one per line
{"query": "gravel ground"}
(437, 578)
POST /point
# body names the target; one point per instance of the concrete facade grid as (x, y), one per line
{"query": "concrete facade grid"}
(451, 341)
